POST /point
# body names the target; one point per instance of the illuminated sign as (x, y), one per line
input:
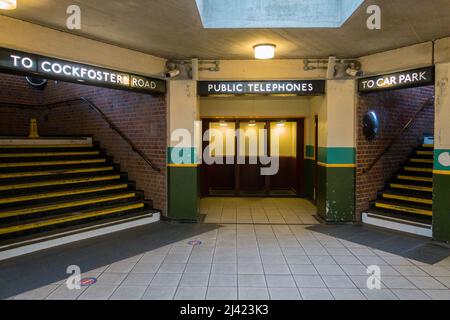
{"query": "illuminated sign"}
(297, 87)
(25, 63)
(406, 79)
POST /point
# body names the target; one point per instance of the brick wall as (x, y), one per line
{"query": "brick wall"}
(142, 117)
(394, 109)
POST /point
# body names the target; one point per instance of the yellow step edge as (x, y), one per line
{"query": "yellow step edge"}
(51, 207)
(43, 146)
(428, 145)
(428, 170)
(425, 153)
(52, 172)
(412, 178)
(49, 163)
(45, 223)
(57, 183)
(422, 160)
(48, 154)
(61, 194)
(406, 198)
(404, 209)
(408, 187)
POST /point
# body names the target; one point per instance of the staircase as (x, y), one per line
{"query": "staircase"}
(406, 203)
(61, 189)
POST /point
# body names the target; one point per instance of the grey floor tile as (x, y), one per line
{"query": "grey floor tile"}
(194, 280)
(224, 268)
(383, 294)
(98, 292)
(444, 280)
(316, 294)
(190, 293)
(252, 280)
(138, 279)
(148, 267)
(347, 260)
(436, 271)
(354, 270)
(63, 293)
(438, 294)
(198, 268)
(300, 269)
(309, 281)
(322, 260)
(276, 269)
(121, 267)
(37, 294)
(410, 294)
(426, 283)
(128, 293)
(166, 280)
(222, 293)
(332, 270)
(284, 294)
(298, 260)
(250, 268)
(223, 280)
(253, 293)
(347, 294)
(397, 282)
(280, 281)
(410, 271)
(111, 279)
(340, 282)
(159, 293)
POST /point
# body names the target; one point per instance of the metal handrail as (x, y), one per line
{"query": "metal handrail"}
(429, 102)
(94, 107)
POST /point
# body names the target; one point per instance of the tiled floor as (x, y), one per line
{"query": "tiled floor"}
(234, 261)
(258, 211)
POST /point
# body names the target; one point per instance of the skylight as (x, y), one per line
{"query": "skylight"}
(276, 13)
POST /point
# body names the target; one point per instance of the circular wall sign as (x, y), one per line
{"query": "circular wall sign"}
(371, 125)
(37, 83)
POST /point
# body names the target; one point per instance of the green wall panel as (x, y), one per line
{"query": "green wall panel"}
(441, 207)
(309, 178)
(337, 155)
(183, 193)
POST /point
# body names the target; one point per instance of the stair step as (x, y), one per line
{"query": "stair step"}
(71, 217)
(48, 154)
(57, 194)
(418, 169)
(48, 183)
(425, 153)
(54, 172)
(419, 160)
(50, 163)
(419, 210)
(415, 178)
(415, 187)
(64, 205)
(407, 197)
(46, 146)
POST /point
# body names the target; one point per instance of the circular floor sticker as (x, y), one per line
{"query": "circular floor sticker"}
(86, 282)
(195, 243)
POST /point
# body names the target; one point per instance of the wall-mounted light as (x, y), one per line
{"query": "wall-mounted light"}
(252, 123)
(264, 51)
(282, 123)
(8, 4)
(223, 123)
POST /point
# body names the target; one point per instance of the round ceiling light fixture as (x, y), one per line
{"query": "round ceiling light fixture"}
(265, 51)
(8, 4)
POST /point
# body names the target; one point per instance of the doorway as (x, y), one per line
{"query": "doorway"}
(242, 156)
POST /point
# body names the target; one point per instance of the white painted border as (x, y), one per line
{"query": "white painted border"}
(82, 235)
(420, 230)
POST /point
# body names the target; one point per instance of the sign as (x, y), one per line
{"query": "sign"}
(195, 243)
(297, 87)
(406, 79)
(25, 63)
(87, 282)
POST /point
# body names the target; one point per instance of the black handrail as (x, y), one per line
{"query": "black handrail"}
(94, 107)
(429, 102)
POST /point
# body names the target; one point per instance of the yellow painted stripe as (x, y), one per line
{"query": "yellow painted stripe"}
(61, 194)
(412, 178)
(444, 172)
(428, 145)
(406, 198)
(45, 223)
(57, 183)
(408, 187)
(52, 172)
(404, 209)
(48, 154)
(336, 165)
(418, 169)
(50, 146)
(183, 165)
(422, 160)
(425, 153)
(51, 207)
(49, 163)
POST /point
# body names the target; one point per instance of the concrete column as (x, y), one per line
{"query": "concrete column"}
(337, 155)
(441, 173)
(183, 161)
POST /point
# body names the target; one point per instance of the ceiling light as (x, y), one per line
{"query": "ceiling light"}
(252, 123)
(264, 51)
(281, 123)
(8, 4)
(223, 124)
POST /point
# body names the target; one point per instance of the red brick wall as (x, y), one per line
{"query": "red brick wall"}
(394, 109)
(140, 116)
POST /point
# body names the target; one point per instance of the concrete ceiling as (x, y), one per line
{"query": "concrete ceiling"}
(173, 28)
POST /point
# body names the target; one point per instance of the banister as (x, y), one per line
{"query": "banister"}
(429, 102)
(93, 107)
